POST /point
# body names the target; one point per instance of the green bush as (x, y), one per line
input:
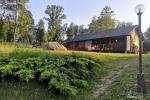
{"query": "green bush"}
(65, 74)
(6, 70)
(25, 74)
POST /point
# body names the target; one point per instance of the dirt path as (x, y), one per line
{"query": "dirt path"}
(107, 80)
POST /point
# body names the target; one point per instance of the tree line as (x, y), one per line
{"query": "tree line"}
(17, 23)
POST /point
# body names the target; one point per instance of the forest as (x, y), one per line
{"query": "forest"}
(17, 24)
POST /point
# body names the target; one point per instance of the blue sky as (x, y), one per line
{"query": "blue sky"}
(81, 11)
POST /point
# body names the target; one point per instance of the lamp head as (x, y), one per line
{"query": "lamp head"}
(139, 9)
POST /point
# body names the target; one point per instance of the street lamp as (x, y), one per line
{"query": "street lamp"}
(139, 9)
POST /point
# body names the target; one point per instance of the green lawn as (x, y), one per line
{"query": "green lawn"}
(122, 88)
(11, 90)
(125, 87)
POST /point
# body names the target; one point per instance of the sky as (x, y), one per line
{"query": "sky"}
(82, 11)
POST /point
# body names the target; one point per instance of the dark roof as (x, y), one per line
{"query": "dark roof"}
(124, 31)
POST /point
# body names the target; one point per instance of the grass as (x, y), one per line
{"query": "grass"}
(6, 47)
(112, 63)
(123, 88)
(12, 90)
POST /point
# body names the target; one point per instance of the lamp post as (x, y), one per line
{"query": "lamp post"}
(139, 9)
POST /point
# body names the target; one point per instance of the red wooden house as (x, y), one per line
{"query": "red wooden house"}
(124, 39)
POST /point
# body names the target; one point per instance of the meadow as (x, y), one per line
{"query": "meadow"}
(34, 73)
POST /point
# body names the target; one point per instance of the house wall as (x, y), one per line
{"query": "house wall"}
(81, 45)
(118, 44)
(134, 41)
(77, 45)
(96, 45)
(71, 46)
(88, 45)
(128, 43)
(115, 44)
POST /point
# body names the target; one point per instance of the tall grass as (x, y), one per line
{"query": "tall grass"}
(39, 52)
(7, 47)
(112, 61)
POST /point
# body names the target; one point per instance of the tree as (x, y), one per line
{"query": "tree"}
(93, 25)
(3, 31)
(7, 10)
(72, 31)
(25, 24)
(8, 14)
(56, 16)
(64, 28)
(20, 7)
(146, 44)
(123, 24)
(104, 21)
(46, 37)
(40, 32)
(147, 35)
(6, 31)
(82, 29)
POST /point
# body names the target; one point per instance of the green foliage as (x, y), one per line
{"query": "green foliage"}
(8, 18)
(25, 24)
(147, 35)
(80, 83)
(6, 70)
(6, 30)
(40, 32)
(104, 21)
(48, 72)
(72, 31)
(25, 74)
(55, 13)
(64, 74)
(93, 24)
(45, 37)
(26, 53)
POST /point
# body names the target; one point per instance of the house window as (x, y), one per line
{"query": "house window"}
(95, 45)
(76, 45)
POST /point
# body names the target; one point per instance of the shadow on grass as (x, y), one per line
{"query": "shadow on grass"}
(12, 90)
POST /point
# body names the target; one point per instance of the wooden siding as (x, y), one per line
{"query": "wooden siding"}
(81, 45)
(71, 46)
(88, 45)
(134, 41)
(77, 45)
(126, 43)
(115, 44)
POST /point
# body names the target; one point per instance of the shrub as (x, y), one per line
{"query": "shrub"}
(48, 72)
(6, 70)
(65, 74)
(25, 74)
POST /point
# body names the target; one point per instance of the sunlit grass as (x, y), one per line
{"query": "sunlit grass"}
(7, 47)
(39, 52)
(112, 62)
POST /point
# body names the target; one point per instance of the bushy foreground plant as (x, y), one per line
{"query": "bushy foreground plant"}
(65, 74)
